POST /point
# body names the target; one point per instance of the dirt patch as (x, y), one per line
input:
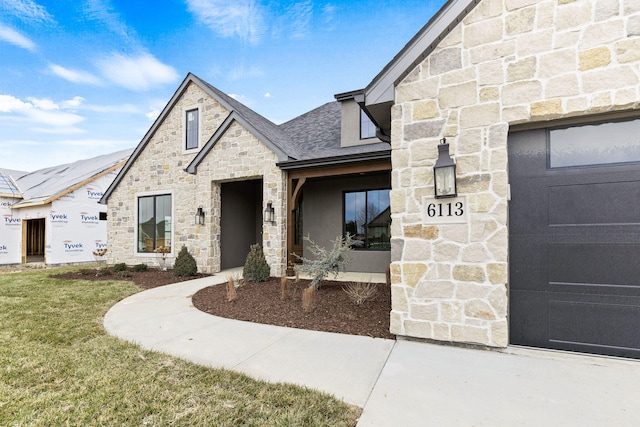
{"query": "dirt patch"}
(261, 302)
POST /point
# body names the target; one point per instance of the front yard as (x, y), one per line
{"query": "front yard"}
(59, 367)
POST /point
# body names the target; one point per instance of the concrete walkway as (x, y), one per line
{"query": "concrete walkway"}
(398, 383)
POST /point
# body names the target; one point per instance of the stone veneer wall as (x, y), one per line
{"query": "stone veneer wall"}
(508, 62)
(160, 168)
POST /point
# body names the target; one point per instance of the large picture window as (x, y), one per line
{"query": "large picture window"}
(367, 217)
(191, 137)
(154, 222)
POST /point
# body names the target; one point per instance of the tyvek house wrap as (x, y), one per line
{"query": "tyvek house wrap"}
(66, 197)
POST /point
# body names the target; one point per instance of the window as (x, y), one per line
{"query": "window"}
(191, 129)
(154, 222)
(102, 216)
(595, 144)
(367, 128)
(367, 217)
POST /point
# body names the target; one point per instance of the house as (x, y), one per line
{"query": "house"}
(536, 101)
(52, 216)
(539, 103)
(209, 167)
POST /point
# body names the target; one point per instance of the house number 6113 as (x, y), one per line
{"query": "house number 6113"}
(443, 210)
(448, 211)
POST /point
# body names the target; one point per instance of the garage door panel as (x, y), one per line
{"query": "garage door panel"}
(529, 262)
(597, 264)
(589, 324)
(593, 203)
(526, 328)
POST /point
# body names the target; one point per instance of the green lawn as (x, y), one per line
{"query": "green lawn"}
(59, 367)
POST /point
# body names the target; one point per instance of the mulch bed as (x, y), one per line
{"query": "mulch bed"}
(261, 302)
(333, 311)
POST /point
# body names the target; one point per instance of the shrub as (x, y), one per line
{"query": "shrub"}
(124, 273)
(139, 267)
(120, 267)
(185, 264)
(86, 271)
(326, 261)
(103, 272)
(256, 268)
(359, 292)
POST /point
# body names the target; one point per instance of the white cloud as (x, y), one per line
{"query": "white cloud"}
(102, 11)
(34, 113)
(267, 95)
(241, 18)
(59, 131)
(136, 73)
(298, 17)
(74, 76)
(153, 114)
(44, 104)
(72, 103)
(27, 10)
(15, 38)
(9, 104)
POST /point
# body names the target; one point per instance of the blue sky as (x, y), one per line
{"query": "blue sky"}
(80, 78)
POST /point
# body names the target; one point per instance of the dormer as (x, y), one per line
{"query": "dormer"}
(356, 126)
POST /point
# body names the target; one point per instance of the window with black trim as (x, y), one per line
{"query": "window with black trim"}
(367, 218)
(191, 129)
(102, 216)
(154, 222)
(367, 128)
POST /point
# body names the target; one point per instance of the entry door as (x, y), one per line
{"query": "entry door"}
(240, 221)
(575, 241)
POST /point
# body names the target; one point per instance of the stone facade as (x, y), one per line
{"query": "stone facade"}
(159, 169)
(508, 62)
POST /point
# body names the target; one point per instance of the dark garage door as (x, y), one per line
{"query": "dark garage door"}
(574, 225)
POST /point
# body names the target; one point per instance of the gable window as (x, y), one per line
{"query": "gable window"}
(191, 129)
(367, 217)
(367, 128)
(154, 222)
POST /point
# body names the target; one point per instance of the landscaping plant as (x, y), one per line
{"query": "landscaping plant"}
(256, 268)
(185, 264)
(325, 261)
(359, 292)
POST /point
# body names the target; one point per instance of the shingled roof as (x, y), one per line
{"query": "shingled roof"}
(307, 138)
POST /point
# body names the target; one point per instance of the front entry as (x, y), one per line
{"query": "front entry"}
(574, 226)
(240, 221)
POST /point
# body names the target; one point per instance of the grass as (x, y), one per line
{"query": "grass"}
(59, 367)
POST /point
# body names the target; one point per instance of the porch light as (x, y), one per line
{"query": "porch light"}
(199, 216)
(444, 172)
(269, 213)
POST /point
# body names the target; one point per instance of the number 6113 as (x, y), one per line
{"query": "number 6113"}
(442, 210)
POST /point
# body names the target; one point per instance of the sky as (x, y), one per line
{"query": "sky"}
(81, 78)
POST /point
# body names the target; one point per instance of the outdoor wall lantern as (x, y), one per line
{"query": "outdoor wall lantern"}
(200, 216)
(444, 172)
(269, 213)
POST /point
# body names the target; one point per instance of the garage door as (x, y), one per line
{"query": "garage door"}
(574, 225)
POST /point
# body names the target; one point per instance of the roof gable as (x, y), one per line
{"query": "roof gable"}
(379, 95)
(263, 129)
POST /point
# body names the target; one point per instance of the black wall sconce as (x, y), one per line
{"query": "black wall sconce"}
(199, 216)
(269, 213)
(444, 172)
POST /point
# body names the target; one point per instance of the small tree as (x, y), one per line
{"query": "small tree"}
(256, 268)
(185, 264)
(326, 261)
